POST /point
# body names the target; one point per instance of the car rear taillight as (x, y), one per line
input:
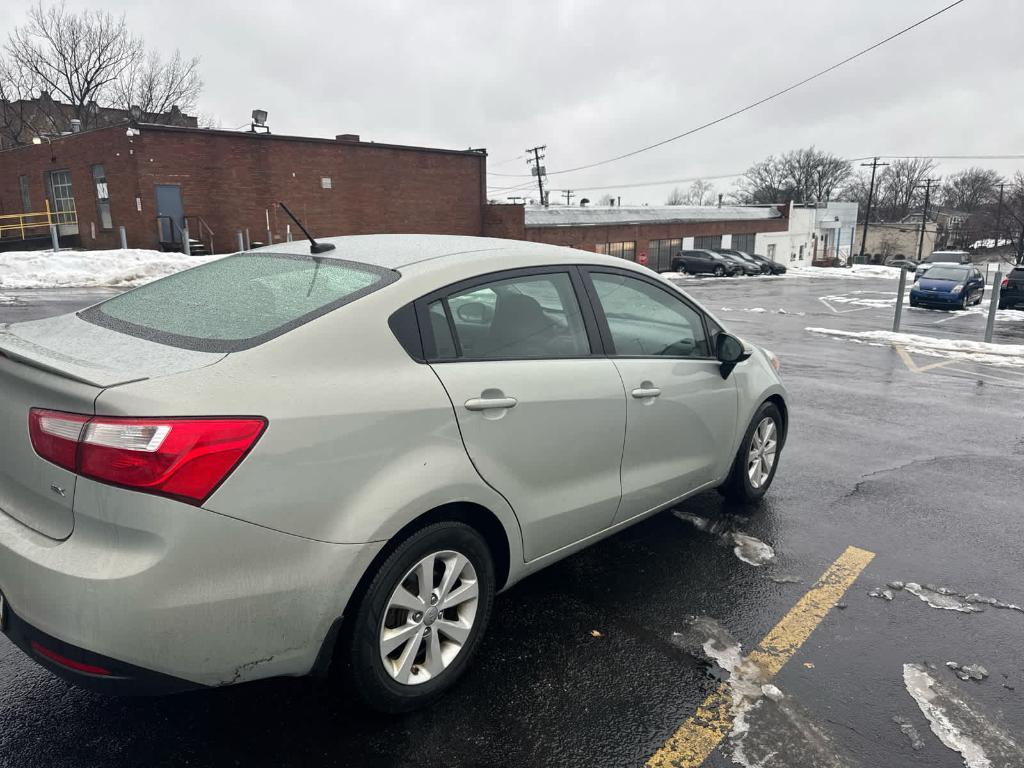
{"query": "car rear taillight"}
(182, 458)
(1006, 282)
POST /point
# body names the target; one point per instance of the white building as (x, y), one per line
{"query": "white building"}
(817, 234)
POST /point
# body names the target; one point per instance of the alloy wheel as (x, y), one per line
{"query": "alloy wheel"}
(761, 454)
(429, 617)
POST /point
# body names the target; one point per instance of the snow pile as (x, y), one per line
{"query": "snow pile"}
(857, 271)
(1011, 355)
(88, 269)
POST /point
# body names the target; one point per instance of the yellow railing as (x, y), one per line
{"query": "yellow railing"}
(22, 223)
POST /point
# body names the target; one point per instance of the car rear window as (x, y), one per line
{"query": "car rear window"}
(239, 301)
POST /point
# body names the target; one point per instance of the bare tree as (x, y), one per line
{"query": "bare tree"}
(970, 189)
(75, 57)
(676, 197)
(802, 175)
(606, 200)
(900, 187)
(701, 193)
(156, 85)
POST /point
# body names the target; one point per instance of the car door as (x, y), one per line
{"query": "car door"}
(978, 283)
(700, 261)
(542, 412)
(680, 412)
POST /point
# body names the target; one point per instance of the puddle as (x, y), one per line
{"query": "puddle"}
(747, 548)
(959, 723)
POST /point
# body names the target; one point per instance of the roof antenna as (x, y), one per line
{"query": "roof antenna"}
(315, 247)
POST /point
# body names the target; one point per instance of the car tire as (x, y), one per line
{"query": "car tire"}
(1003, 305)
(681, 268)
(393, 686)
(743, 485)
(719, 271)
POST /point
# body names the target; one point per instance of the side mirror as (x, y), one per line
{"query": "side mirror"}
(730, 351)
(475, 312)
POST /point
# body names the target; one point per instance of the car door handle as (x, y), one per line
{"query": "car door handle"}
(490, 403)
(641, 393)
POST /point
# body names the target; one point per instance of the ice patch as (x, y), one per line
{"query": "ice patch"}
(968, 671)
(1008, 355)
(909, 731)
(88, 269)
(940, 597)
(885, 594)
(769, 729)
(751, 550)
(747, 548)
(959, 723)
(10, 301)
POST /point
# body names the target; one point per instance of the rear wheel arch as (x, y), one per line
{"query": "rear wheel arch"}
(476, 516)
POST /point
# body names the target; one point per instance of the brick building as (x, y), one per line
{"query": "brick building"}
(157, 179)
(653, 233)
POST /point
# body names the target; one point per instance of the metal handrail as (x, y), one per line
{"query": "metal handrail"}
(23, 220)
(200, 226)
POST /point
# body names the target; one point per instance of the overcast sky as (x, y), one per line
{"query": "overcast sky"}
(595, 79)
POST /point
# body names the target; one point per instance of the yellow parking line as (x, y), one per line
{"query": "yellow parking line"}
(914, 367)
(697, 738)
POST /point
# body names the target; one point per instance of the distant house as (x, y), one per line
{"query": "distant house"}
(25, 119)
(951, 225)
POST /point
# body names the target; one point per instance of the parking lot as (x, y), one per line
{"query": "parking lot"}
(902, 469)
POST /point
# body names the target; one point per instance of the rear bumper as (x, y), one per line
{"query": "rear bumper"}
(149, 586)
(87, 669)
(1011, 298)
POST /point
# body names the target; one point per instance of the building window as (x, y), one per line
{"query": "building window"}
(801, 253)
(743, 243)
(711, 242)
(660, 253)
(771, 251)
(63, 198)
(99, 179)
(26, 201)
(623, 250)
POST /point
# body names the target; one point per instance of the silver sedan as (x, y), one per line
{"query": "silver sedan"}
(285, 458)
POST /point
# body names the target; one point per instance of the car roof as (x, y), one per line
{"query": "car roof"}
(425, 253)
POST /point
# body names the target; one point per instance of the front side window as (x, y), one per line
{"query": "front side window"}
(534, 316)
(239, 301)
(99, 180)
(646, 321)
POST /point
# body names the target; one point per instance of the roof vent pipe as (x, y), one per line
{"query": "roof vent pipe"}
(76, 125)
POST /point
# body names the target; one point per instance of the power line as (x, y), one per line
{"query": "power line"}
(766, 99)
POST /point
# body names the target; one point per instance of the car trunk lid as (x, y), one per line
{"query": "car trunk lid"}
(63, 364)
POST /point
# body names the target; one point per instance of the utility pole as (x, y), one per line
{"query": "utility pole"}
(538, 170)
(569, 195)
(867, 214)
(924, 215)
(999, 217)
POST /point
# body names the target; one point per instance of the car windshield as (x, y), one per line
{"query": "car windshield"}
(947, 273)
(239, 301)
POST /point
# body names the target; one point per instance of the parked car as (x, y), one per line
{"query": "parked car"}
(898, 263)
(948, 286)
(750, 266)
(253, 467)
(702, 261)
(1011, 292)
(773, 266)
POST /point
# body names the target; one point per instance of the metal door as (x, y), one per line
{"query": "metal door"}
(170, 213)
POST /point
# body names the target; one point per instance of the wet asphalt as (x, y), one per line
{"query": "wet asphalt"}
(925, 468)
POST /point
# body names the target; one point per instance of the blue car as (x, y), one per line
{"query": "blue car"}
(948, 286)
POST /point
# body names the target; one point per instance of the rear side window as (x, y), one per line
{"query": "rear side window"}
(239, 301)
(533, 316)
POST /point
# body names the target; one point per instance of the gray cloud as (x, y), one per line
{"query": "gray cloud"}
(595, 79)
